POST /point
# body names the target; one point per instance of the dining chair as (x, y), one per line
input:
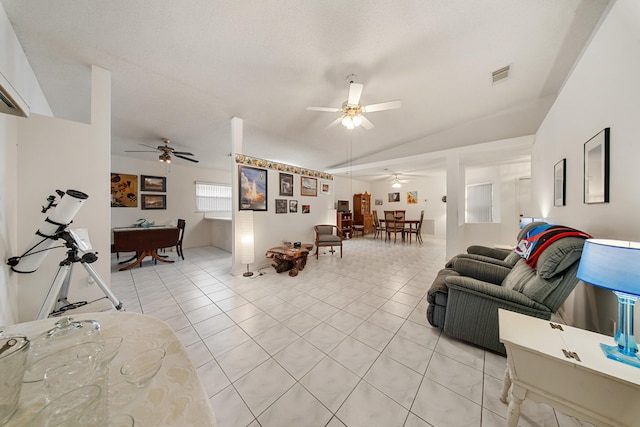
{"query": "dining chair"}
(328, 235)
(181, 225)
(391, 226)
(377, 227)
(418, 230)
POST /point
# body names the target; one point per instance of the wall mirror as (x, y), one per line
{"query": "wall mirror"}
(596, 168)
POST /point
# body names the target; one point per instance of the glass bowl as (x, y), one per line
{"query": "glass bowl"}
(79, 407)
(140, 369)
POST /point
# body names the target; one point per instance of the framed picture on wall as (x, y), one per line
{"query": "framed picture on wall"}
(124, 190)
(306, 209)
(308, 186)
(154, 201)
(293, 206)
(153, 183)
(281, 206)
(286, 184)
(596, 168)
(559, 183)
(253, 188)
(325, 188)
(412, 197)
(394, 197)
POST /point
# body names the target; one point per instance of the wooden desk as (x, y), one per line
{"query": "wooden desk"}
(144, 242)
(581, 383)
(292, 259)
(174, 397)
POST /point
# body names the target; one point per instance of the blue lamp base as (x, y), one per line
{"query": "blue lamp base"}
(614, 352)
(627, 349)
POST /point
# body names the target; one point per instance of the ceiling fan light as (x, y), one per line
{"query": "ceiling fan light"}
(161, 158)
(357, 120)
(396, 184)
(346, 121)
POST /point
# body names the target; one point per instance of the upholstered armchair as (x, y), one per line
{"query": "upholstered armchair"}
(464, 299)
(328, 235)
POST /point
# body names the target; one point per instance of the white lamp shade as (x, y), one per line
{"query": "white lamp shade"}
(245, 229)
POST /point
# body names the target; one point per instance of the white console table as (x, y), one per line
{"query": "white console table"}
(564, 367)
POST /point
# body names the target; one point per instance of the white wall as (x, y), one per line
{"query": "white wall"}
(16, 70)
(430, 191)
(506, 215)
(59, 154)
(181, 200)
(602, 91)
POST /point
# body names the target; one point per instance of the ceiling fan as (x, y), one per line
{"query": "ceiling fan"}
(397, 182)
(352, 111)
(165, 152)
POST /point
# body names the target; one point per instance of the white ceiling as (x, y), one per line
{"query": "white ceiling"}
(182, 69)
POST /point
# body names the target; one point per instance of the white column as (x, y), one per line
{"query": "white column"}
(455, 199)
(236, 147)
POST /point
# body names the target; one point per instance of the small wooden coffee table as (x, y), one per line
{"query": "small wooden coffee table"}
(289, 258)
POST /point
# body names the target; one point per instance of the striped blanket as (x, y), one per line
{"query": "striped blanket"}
(538, 238)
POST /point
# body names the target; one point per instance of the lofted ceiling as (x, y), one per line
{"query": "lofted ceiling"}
(182, 69)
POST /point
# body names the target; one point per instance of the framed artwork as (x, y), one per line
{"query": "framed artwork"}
(124, 190)
(596, 168)
(286, 184)
(153, 183)
(559, 183)
(253, 188)
(378, 202)
(412, 197)
(154, 201)
(394, 197)
(306, 209)
(325, 188)
(281, 206)
(308, 186)
(293, 206)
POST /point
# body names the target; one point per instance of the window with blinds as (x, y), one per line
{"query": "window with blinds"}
(479, 203)
(214, 198)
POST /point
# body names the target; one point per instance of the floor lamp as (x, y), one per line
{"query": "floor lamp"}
(613, 265)
(245, 228)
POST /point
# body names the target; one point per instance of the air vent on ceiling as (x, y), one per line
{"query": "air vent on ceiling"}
(500, 74)
(10, 101)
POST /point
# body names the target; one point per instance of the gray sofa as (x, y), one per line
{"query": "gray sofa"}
(465, 296)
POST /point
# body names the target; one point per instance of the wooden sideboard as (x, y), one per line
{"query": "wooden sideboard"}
(344, 221)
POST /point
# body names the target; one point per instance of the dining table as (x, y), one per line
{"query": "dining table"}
(144, 241)
(404, 222)
(175, 395)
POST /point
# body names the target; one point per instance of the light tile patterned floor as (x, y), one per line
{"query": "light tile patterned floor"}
(345, 343)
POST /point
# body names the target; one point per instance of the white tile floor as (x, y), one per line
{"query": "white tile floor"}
(345, 343)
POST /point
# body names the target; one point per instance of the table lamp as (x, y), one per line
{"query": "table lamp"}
(613, 265)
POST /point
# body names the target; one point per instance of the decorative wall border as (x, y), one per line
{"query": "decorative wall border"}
(254, 161)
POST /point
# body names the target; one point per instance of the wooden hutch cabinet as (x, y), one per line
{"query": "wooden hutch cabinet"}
(362, 211)
(345, 224)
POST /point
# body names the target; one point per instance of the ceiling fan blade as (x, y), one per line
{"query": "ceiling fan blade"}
(335, 122)
(355, 90)
(390, 105)
(148, 146)
(327, 109)
(182, 153)
(366, 123)
(186, 158)
(139, 151)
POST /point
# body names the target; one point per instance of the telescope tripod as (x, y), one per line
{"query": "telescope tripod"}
(56, 301)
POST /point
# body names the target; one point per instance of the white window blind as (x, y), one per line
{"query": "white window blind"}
(479, 203)
(213, 197)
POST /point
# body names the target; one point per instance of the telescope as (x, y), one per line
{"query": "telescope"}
(48, 233)
(55, 228)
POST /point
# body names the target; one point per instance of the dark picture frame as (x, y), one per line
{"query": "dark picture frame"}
(596, 168)
(286, 184)
(281, 206)
(308, 186)
(153, 201)
(153, 183)
(394, 197)
(306, 209)
(252, 188)
(124, 190)
(293, 206)
(560, 183)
